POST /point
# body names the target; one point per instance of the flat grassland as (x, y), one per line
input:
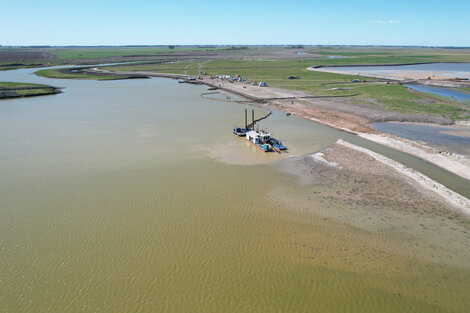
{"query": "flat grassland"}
(75, 53)
(270, 64)
(17, 57)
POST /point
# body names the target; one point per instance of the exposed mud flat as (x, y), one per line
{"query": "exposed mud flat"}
(355, 188)
(342, 161)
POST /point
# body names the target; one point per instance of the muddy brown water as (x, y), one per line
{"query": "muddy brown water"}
(134, 196)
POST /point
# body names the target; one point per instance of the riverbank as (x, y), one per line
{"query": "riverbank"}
(337, 112)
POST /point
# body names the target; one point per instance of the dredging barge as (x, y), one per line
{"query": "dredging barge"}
(262, 139)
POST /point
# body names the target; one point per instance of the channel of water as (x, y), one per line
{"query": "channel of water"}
(134, 196)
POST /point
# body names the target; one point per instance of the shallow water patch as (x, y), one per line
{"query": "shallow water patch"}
(437, 136)
(441, 91)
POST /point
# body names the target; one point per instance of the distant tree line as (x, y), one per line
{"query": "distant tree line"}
(237, 48)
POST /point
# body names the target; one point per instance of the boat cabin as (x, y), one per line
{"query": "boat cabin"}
(261, 136)
(264, 134)
(253, 136)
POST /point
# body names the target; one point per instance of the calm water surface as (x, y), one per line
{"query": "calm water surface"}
(445, 92)
(134, 196)
(438, 136)
(455, 69)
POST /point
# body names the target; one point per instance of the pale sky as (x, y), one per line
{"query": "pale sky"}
(105, 22)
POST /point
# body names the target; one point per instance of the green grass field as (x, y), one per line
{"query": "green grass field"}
(275, 71)
(352, 55)
(400, 98)
(68, 55)
(105, 52)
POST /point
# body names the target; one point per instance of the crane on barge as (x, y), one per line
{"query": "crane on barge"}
(262, 139)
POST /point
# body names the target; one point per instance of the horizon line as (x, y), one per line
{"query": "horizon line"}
(234, 45)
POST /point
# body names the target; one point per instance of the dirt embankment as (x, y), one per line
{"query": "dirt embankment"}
(339, 112)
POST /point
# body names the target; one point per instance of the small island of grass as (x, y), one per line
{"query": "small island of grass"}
(10, 90)
(82, 73)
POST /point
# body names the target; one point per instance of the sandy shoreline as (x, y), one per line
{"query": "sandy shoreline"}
(320, 110)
